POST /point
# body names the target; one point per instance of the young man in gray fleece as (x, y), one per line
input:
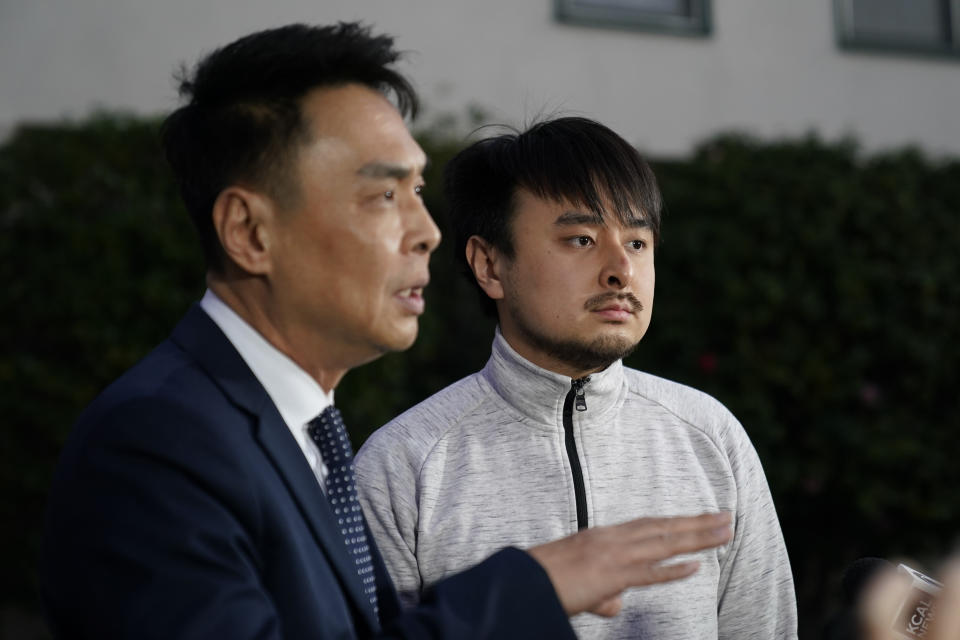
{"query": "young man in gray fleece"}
(558, 227)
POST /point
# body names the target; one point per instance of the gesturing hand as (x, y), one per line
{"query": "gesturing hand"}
(590, 569)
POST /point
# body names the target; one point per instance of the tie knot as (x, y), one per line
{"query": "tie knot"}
(330, 415)
(330, 435)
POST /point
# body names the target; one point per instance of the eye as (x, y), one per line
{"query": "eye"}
(388, 195)
(419, 190)
(581, 241)
(638, 245)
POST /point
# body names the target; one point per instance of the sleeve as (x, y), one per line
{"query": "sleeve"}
(508, 595)
(387, 484)
(756, 594)
(158, 531)
(147, 534)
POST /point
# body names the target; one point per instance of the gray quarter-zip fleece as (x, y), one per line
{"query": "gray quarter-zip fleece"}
(488, 463)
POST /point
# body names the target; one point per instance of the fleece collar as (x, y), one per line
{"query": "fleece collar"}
(538, 394)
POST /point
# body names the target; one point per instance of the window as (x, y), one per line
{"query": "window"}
(688, 17)
(930, 26)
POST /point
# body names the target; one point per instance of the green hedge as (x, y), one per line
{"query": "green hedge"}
(816, 292)
(813, 289)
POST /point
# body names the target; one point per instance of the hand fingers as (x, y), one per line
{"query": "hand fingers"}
(646, 574)
(590, 568)
(881, 598)
(608, 608)
(667, 544)
(648, 527)
(946, 624)
(644, 530)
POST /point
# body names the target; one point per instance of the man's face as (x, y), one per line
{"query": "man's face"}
(349, 258)
(578, 293)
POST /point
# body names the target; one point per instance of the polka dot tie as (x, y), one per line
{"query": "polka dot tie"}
(330, 436)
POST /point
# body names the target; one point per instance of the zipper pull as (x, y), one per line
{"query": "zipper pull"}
(580, 402)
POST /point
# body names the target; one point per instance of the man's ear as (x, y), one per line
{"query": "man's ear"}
(242, 220)
(486, 263)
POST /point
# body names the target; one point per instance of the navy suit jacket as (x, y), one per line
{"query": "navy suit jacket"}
(182, 507)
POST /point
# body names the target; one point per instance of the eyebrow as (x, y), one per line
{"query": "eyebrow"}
(573, 218)
(389, 170)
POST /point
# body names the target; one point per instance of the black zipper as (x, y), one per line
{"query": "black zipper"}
(575, 398)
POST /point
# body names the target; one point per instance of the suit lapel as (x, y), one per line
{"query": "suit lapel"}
(276, 440)
(198, 335)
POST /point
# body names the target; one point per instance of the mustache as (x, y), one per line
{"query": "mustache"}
(600, 300)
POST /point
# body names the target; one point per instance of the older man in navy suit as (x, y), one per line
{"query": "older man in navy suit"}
(208, 493)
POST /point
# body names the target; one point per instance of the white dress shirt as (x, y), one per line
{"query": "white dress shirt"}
(297, 396)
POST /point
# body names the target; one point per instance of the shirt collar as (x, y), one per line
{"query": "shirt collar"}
(297, 396)
(539, 393)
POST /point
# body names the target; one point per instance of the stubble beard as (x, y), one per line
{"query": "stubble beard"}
(582, 355)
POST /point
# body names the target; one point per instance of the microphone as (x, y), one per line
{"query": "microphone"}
(882, 600)
(917, 607)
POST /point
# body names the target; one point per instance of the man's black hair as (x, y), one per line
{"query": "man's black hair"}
(575, 160)
(243, 124)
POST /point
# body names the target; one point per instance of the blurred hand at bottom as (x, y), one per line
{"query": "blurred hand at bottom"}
(886, 593)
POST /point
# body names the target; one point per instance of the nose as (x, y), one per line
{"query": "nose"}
(617, 269)
(423, 234)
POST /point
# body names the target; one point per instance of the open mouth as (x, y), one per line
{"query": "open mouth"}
(411, 299)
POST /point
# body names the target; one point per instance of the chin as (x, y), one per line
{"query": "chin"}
(400, 340)
(404, 344)
(613, 334)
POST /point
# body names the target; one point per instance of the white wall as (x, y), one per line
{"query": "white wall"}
(770, 67)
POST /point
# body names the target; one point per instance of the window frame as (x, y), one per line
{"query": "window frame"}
(698, 24)
(847, 38)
